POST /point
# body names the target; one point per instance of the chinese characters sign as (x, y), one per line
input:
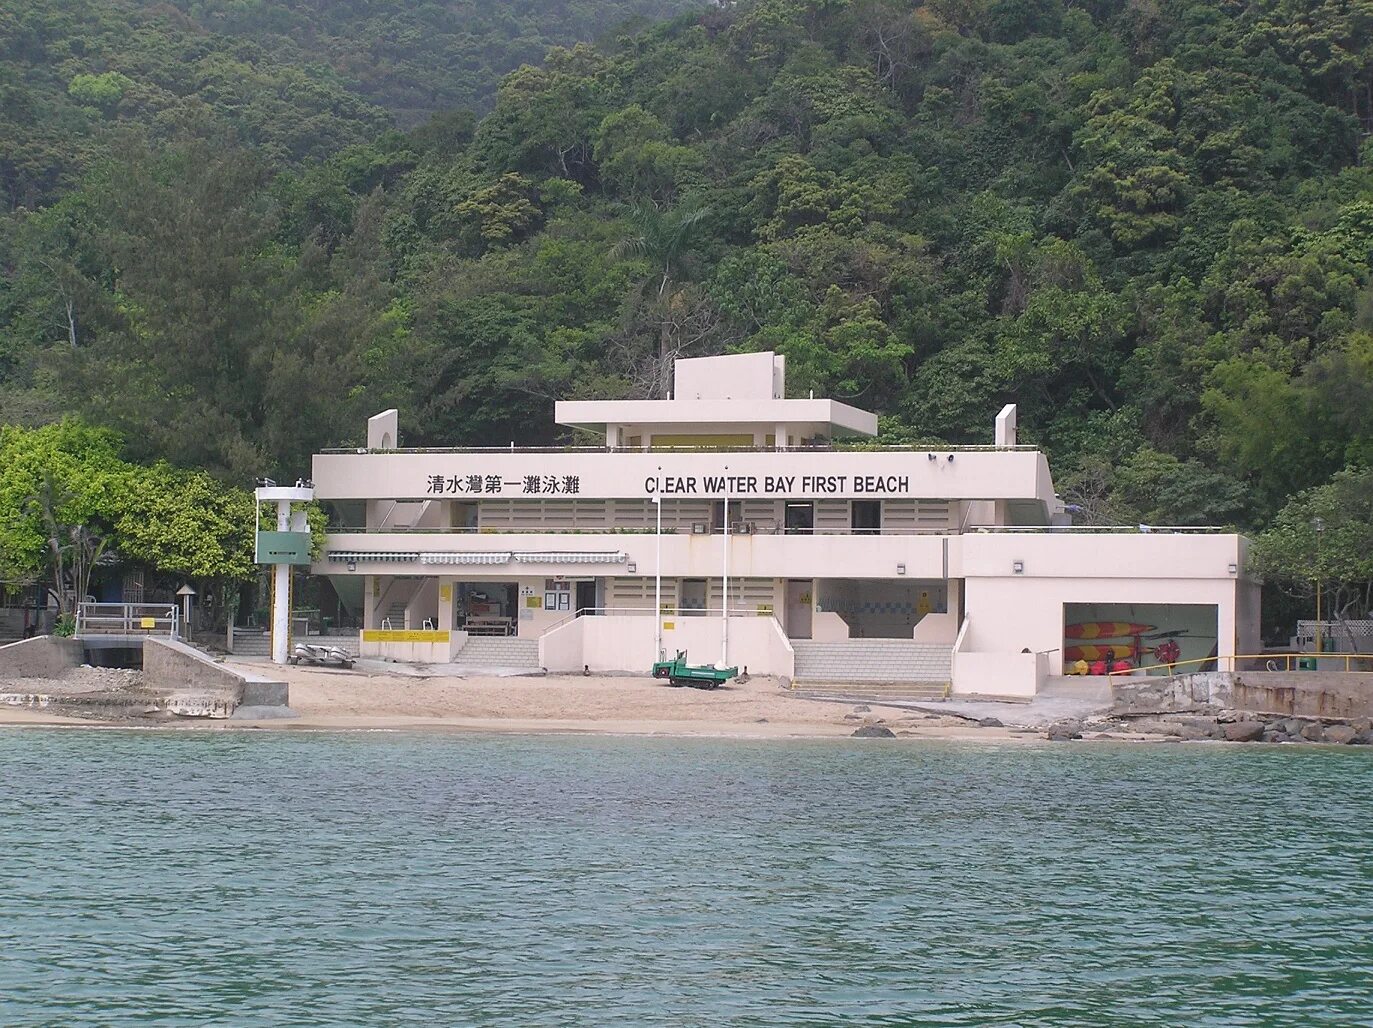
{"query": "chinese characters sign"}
(489, 485)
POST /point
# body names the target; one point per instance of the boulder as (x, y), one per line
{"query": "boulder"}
(990, 722)
(1342, 734)
(1062, 731)
(873, 732)
(1312, 732)
(1243, 731)
(862, 708)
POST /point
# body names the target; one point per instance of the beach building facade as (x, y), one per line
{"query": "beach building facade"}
(836, 558)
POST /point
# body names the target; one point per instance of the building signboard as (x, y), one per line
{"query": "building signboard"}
(282, 548)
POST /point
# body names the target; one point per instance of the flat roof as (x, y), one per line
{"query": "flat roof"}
(837, 418)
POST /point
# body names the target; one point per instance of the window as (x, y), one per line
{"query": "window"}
(799, 518)
(717, 515)
(867, 517)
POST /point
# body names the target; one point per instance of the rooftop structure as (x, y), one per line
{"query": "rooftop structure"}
(834, 556)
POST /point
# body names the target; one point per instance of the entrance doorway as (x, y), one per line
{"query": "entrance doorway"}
(798, 608)
(585, 601)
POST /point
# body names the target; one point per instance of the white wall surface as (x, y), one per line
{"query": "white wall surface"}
(626, 643)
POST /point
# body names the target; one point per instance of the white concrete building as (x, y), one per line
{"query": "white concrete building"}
(845, 560)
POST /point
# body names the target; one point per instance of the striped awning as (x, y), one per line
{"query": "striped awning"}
(569, 557)
(358, 556)
(496, 557)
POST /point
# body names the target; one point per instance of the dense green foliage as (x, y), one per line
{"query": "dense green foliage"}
(65, 485)
(1149, 224)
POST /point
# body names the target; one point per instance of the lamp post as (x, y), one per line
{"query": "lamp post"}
(186, 592)
(1319, 525)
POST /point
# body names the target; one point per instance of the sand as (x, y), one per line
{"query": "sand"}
(760, 708)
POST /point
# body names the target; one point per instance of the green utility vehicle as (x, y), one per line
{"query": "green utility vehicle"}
(678, 673)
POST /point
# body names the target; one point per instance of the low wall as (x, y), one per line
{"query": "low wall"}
(174, 665)
(1332, 694)
(412, 646)
(44, 656)
(936, 628)
(998, 674)
(626, 643)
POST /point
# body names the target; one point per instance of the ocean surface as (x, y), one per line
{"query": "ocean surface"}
(254, 878)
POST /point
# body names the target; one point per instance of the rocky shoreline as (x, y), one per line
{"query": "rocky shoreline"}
(1222, 726)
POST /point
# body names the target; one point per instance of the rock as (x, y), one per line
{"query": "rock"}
(1312, 732)
(1342, 734)
(1361, 726)
(1062, 731)
(990, 722)
(853, 717)
(873, 732)
(760, 721)
(862, 708)
(1271, 736)
(1243, 731)
(1290, 726)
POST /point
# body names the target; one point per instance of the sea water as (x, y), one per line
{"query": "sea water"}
(256, 878)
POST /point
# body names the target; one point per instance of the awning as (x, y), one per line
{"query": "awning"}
(498, 557)
(569, 557)
(358, 556)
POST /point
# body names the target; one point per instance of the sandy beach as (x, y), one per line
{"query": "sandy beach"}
(372, 698)
(757, 708)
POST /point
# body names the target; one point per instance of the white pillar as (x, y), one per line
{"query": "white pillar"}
(281, 594)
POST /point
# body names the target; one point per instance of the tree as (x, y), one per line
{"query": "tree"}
(664, 239)
(1324, 534)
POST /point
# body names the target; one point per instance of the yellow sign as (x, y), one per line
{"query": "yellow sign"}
(533, 601)
(669, 626)
(384, 635)
(445, 593)
(147, 622)
(764, 609)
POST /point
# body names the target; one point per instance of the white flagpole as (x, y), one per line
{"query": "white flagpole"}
(658, 573)
(724, 599)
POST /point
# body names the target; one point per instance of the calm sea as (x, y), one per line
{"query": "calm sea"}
(264, 878)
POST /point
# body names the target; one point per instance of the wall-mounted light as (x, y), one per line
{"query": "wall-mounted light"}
(901, 569)
(633, 567)
(951, 458)
(930, 456)
(1234, 569)
(352, 565)
(1017, 567)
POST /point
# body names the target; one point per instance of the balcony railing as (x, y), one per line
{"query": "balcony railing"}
(741, 528)
(842, 446)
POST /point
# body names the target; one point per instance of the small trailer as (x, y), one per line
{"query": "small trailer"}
(703, 676)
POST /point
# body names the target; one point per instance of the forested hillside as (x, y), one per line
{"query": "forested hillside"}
(1150, 224)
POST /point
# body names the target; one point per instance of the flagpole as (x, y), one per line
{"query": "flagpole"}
(724, 599)
(658, 572)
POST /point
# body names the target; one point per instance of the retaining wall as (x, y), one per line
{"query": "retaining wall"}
(1333, 694)
(171, 664)
(44, 656)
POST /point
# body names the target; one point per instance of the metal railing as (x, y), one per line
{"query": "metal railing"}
(1265, 662)
(842, 446)
(1107, 529)
(128, 619)
(668, 611)
(736, 528)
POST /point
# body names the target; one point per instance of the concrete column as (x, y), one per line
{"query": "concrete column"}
(781, 435)
(445, 604)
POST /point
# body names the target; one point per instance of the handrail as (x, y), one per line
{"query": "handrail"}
(1269, 658)
(1107, 529)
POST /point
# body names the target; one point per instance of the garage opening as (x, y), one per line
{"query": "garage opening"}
(1099, 638)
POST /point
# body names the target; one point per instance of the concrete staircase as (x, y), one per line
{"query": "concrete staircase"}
(872, 669)
(498, 651)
